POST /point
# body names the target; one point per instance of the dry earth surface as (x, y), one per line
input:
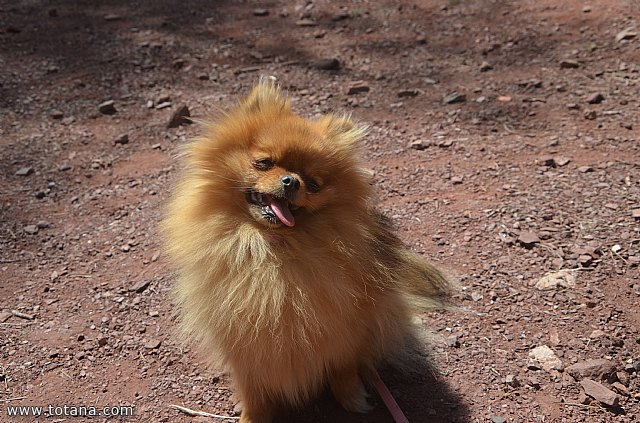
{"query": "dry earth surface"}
(505, 145)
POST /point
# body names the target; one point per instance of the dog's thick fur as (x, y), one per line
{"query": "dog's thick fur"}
(288, 308)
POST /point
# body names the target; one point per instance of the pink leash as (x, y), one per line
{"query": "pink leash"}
(388, 399)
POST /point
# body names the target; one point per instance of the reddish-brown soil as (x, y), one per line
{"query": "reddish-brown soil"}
(531, 173)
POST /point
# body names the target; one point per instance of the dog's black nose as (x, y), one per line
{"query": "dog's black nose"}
(290, 183)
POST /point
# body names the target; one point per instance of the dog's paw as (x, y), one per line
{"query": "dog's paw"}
(356, 402)
(350, 393)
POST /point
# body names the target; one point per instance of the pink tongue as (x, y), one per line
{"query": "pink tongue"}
(281, 210)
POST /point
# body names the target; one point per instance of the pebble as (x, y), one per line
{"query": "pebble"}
(140, 286)
(498, 419)
(107, 108)
(31, 229)
(599, 392)
(56, 114)
(102, 341)
(327, 64)
(454, 97)
(585, 169)
(569, 64)
(152, 344)
(357, 87)
(4, 316)
(528, 239)
(64, 167)
(422, 145)
(24, 171)
(512, 381)
(626, 34)
(306, 22)
(260, 12)
(485, 66)
(590, 114)
(565, 278)
(546, 357)
(596, 98)
(411, 92)
(180, 117)
(163, 105)
(22, 315)
(122, 139)
(602, 369)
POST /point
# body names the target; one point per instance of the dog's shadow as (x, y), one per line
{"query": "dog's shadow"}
(420, 391)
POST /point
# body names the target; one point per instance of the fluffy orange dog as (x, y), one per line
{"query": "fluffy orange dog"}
(285, 270)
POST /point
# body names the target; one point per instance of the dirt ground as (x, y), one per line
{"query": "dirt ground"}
(504, 141)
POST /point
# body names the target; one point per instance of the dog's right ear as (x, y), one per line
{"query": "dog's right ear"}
(266, 96)
(342, 131)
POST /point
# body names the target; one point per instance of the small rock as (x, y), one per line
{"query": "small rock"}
(260, 12)
(590, 114)
(327, 64)
(586, 9)
(56, 114)
(31, 229)
(122, 139)
(107, 108)
(24, 171)
(626, 34)
(140, 286)
(534, 382)
(569, 64)
(620, 388)
(596, 98)
(457, 180)
(102, 341)
(237, 408)
(601, 369)
(64, 167)
(341, 15)
(599, 392)
(561, 161)
(357, 87)
(485, 66)
(306, 22)
(152, 344)
(163, 105)
(420, 144)
(22, 315)
(596, 334)
(180, 117)
(560, 279)
(453, 341)
(412, 92)
(112, 17)
(498, 419)
(548, 161)
(635, 213)
(585, 169)
(454, 97)
(528, 239)
(155, 256)
(546, 357)
(203, 76)
(512, 381)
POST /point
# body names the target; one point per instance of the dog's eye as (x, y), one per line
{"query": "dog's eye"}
(312, 186)
(263, 164)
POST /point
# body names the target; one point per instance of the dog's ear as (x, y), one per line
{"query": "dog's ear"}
(341, 130)
(266, 96)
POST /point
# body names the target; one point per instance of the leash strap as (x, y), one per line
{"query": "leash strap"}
(389, 401)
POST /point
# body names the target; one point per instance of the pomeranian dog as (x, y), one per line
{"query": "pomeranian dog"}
(286, 272)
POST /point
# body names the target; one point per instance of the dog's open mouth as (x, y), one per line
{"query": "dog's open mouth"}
(273, 209)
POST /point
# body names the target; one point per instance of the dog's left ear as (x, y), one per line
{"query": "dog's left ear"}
(266, 96)
(341, 130)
